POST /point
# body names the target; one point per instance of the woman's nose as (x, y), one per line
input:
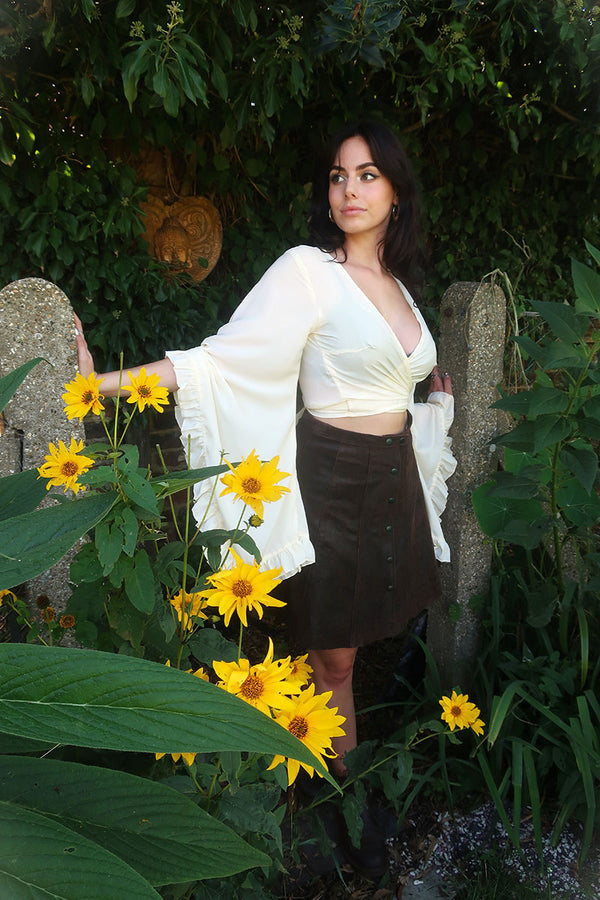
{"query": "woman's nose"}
(350, 189)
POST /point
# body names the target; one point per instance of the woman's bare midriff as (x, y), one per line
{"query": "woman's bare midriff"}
(382, 423)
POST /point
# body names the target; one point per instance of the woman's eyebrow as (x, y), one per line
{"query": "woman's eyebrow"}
(365, 165)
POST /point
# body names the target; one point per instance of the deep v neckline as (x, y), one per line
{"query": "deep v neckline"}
(380, 315)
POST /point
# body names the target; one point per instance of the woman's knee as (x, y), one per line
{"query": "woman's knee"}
(335, 667)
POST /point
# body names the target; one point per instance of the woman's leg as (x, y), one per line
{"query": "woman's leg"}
(332, 671)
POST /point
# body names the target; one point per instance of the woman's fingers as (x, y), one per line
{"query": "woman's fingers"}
(439, 382)
(85, 360)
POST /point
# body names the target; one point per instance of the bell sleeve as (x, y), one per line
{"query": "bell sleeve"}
(431, 444)
(237, 393)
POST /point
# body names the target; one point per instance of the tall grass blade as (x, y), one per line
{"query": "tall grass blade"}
(587, 778)
(584, 641)
(512, 832)
(500, 709)
(534, 798)
(517, 780)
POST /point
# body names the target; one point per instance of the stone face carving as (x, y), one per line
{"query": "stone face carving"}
(181, 228)
(184, 233)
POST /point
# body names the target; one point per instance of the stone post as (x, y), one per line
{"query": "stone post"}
(36, 319)
(471, 348)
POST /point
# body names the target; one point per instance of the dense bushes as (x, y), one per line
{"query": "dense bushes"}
(497, 103)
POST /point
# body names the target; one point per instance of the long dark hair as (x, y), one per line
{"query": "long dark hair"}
(400, 252)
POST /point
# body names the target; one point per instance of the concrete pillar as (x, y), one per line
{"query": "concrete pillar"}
(471, 348)
(36, 319)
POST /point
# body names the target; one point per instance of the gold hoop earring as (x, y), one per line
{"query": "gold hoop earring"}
(330, 214)
(395, 212)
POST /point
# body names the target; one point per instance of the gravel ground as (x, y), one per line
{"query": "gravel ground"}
(439, 851)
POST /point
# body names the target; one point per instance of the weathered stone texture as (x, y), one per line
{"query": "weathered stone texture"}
(36, 319)
(472, 337)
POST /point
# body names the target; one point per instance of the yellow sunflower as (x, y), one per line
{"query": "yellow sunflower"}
(315, 724)
(458, 712)
(264, 685)
(301, 670)
(188, 609)
(477, 726)
(83, 395)
(7, 595)
(187, 757)
(63, 466)
(254, 482)
(145, 391)
(242, 588)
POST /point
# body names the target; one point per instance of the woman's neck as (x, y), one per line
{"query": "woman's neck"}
(362, 251)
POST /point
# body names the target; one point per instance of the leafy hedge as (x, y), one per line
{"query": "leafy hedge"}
(497, 102)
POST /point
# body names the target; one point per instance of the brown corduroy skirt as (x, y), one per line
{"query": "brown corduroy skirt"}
(375, 565)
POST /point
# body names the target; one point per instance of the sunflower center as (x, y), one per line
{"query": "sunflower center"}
(69, 468)
(298, 727)
(241, 589)
(144, 391)
(252, 687)
(251, 485)
(455, 711)
(87, 397)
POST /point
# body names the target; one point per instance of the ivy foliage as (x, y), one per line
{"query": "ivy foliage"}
(497, 102)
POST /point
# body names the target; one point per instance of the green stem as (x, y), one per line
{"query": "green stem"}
(236, 531)
(240, 642)
(210, 499)
(106, 431)
(170, 498)
(117, 400)
(131, 415)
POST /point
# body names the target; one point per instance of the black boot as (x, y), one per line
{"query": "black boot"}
(319, 829)
(370, 858)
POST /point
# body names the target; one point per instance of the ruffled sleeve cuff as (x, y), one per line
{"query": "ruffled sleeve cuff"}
(432, 447)
(207, 414)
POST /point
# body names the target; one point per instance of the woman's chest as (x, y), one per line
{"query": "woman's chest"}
(388, 301)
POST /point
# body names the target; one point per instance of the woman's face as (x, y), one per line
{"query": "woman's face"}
(360, 197)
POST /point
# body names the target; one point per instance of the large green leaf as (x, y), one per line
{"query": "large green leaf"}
(21, 493)
(9, 383)
(92, 699)
(139, 583)
(518, 486)
(537, 434)
(516, 520)
(40, 859)
(534, 402)
(178, 481)
(582, 461)
(156, 830)
(587, 286)
(33, 542)
(565, 323)
(577, 505)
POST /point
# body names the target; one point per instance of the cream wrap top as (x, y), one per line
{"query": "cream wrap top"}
(305, 321)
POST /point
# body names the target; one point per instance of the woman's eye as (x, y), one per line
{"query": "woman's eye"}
(336, 178)
(369, 176)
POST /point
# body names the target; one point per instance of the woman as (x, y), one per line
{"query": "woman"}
(336, 317)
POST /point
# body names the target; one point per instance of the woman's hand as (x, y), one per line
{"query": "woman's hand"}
(85, 360)
(439, 382)
(114, 382)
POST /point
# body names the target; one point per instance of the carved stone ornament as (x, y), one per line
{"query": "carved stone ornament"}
(182, 233)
